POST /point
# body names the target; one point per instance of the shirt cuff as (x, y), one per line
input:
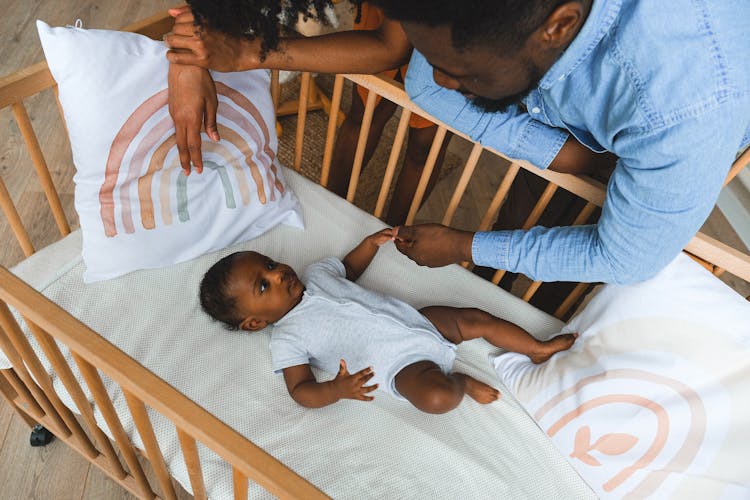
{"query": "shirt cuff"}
(539, 143)
(491, 249)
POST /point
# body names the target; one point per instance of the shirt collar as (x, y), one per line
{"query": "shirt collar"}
(601, 18)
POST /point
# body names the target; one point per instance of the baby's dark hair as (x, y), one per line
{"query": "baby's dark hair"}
(267, 19)
(214, 296)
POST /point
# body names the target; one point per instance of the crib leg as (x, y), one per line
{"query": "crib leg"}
(40, 436)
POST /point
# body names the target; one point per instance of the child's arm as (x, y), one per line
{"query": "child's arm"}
(308, 392)
(360, 51)
(192, 96)
(358, 259)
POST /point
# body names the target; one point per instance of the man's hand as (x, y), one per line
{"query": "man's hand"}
(198, 45)
(352, 386)
(192, 104)
(434, 245)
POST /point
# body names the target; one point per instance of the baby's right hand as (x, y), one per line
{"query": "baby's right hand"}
(382, 237)
(352, 385)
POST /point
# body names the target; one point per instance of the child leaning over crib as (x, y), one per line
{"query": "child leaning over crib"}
(334, 324)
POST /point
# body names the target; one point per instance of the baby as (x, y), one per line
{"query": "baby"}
(328, 321)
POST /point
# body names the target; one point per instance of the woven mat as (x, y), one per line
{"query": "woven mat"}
(316, 125)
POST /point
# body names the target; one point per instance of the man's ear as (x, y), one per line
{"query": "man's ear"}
(253, 324)
(559, 29)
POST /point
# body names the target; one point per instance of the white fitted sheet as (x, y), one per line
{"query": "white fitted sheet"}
(382, 449)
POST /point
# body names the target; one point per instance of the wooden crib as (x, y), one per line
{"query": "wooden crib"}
(27, 387)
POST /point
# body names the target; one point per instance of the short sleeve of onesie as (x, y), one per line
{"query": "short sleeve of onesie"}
(285, 352)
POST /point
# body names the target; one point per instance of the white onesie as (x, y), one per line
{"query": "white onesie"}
(338, 319)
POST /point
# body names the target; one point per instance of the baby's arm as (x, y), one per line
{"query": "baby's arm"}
(358, 259)
(308, 392)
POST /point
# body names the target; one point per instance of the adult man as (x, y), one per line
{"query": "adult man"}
(663, 85)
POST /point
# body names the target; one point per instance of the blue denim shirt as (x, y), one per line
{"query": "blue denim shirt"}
(665, 85)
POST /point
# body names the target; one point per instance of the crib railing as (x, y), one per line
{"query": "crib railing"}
(713, 254)
(29, 389)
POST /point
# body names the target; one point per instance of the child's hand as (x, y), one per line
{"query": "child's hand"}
(382, 237)
(352, 386)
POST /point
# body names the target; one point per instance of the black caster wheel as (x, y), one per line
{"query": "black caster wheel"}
(40, 436)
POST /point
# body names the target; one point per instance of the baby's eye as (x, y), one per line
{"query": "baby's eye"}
(270, 265)
(263, 285)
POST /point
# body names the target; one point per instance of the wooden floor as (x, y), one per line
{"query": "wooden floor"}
(55, 472)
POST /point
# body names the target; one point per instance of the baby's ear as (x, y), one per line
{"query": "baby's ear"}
(253, 324)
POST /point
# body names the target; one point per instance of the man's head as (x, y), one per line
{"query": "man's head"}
(493, 52)
(248, 290)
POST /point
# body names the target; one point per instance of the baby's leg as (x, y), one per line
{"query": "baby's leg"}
(430, 390)
(459, 324)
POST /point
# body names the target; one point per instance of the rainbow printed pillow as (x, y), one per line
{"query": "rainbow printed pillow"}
(136, 208)
(653, 399)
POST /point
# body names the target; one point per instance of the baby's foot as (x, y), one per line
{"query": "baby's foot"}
(553, 345)
(480, 392)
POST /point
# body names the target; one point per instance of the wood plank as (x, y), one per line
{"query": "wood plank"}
(53, 471)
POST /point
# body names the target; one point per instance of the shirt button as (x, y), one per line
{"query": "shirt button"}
(535, 110)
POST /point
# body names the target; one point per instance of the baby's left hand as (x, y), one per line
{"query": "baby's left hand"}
(382, 237)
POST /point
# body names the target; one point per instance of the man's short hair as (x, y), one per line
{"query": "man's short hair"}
(505, 23)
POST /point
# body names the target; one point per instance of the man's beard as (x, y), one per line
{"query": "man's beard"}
(498, 105)
(501, 105)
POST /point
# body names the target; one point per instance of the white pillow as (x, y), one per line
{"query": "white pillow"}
(136, 208)
(653, 400)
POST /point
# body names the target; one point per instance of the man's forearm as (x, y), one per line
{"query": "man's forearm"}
(364, 52)
(575, 158)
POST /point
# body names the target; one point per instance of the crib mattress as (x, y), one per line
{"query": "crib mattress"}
(380, 449)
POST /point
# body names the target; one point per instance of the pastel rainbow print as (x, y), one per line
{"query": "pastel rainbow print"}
(143, 178)
(685, 444)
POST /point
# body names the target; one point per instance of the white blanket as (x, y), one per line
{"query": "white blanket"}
(382, 449)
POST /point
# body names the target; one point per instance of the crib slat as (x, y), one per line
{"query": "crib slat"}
(304, 92)
(9, 209)
(10, 394)
(64, 372)
(42, 378)
(153, 451)
(429, 166)
(56, 90)
(390, 169)
(240, 485)
(338, 90)
(499, 198)
(570, 300)
(275, 88)
(43, 409)
(28, 402)
(359, 155)
(29, 137)
(463, 182)
(193, 463)
(532, 219)
(738, 165)
(531, 291)
(96, 386)
(581, 218)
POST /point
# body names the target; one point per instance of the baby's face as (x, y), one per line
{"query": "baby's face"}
(264, 289)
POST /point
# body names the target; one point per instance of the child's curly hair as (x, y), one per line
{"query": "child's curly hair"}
(267, 19)
(214, 297)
